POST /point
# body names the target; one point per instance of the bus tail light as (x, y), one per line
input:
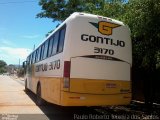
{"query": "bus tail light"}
(66, 74)
(66, 82)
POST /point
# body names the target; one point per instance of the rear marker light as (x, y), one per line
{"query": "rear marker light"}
(74, 97)
(81, 13)
(111, 85)
(100, 17)
(81, 98)
(109, 19)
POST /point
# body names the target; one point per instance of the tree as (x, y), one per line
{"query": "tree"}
(59, 10)
(143, 18)
(3, 66)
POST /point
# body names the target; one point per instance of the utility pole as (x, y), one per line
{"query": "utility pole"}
(19, 63)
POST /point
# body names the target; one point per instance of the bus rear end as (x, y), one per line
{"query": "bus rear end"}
(97, 65)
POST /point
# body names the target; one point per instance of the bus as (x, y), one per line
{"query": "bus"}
(85, 61)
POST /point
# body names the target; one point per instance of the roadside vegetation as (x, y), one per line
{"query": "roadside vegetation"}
(3, 67)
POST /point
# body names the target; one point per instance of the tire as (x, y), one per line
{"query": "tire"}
(39, 100)
(26, 89)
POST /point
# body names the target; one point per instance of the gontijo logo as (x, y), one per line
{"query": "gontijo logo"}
(104, 27)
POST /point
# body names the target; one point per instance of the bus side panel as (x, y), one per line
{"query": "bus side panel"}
(34, 80)
(34, 84)
(50, 89)
(49, 73)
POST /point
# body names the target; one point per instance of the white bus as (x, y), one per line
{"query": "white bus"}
(85, 61)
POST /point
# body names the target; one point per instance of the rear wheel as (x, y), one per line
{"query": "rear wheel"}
(39, 101)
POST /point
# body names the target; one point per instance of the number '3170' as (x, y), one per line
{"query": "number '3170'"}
(103, 51)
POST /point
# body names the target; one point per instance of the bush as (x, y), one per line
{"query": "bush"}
(20, 72)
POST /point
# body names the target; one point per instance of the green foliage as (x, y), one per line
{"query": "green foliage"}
(59, 10)
(143, 18)
(3, 68)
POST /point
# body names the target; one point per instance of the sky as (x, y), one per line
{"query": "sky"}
(20, 30)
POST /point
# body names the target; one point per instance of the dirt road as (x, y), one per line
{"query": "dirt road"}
(14, 100)
(16, 104)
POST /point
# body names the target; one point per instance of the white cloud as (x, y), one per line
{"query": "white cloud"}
(12, 55)
(30, 36)
(5, 42)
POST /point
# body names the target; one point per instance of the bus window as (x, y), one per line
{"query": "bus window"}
(61, 40)
(30, 61)
(33, 57)
(27, 60)
(39, 54)
(45, 49)
(55, 44)
(51, 41)
(42, 51)
(36, 54)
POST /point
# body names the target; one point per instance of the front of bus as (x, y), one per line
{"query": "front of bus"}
(97, 65)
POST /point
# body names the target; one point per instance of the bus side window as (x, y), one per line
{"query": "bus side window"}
(30, 61)
(51, 41)
(33, 57)
(55, 44)
(36, 55)
(45, 49)
(39, 54)
(42, 51)
(61, 40)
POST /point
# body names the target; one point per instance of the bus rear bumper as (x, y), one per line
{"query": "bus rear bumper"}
(78, 99)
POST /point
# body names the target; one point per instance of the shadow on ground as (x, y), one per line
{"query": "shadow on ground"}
(55, 112)
(132, 111)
